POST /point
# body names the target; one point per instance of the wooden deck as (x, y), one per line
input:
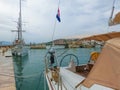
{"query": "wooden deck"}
(82, 70)
(7, 81)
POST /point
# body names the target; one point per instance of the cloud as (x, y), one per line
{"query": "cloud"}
(79, 17)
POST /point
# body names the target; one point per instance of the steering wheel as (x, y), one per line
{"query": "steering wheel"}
(67, 58)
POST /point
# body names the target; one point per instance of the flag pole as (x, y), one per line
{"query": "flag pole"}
(53, 33)
(55, 26)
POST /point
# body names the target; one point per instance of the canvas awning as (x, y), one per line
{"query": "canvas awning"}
(116, 20)
(103, 37)
(106, 70)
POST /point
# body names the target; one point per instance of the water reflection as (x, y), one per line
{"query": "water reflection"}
(19, 64)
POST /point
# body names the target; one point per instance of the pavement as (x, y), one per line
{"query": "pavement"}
(7, 80)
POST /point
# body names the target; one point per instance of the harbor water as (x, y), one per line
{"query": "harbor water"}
(29, 70)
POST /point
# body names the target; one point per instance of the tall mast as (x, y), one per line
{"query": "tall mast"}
(110, 19)
(20, 22)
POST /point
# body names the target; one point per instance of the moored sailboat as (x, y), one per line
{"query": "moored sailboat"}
(19, 48)
(102, 72)
(101, 75)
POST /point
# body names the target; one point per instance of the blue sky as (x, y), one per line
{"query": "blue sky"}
(79, 18)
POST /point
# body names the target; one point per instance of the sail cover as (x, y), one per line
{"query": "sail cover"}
(106, 70)
(116, 20)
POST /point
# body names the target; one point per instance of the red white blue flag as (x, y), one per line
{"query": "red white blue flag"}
(58, 15)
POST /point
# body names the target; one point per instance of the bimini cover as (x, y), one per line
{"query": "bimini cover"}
(106, 70)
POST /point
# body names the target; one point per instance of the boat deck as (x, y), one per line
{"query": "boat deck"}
(72, 79)
(82, 70)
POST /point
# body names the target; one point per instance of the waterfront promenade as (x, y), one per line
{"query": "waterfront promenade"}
(7, 80)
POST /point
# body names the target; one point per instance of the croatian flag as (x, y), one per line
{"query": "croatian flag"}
(58, 15)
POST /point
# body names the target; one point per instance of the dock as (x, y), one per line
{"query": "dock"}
(7, 80)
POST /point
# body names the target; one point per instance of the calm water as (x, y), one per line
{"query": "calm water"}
(29, 70)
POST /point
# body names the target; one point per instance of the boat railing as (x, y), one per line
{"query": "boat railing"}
(55, 73)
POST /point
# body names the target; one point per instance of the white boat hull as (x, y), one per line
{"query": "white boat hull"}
(70, 80)
(20, 51)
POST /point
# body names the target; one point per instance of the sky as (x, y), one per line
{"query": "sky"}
(79, 18)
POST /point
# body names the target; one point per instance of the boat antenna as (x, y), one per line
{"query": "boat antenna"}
(113, 7)
(55, 26)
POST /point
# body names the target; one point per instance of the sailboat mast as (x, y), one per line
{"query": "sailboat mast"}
(110, 19)
(112, 10)
(20, 22)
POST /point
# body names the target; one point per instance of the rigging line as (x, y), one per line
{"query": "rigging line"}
(63, 53)
(40, 80)
(27, 76)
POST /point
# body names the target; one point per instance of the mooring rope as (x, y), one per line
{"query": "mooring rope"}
(16, 76)
(39, 80)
